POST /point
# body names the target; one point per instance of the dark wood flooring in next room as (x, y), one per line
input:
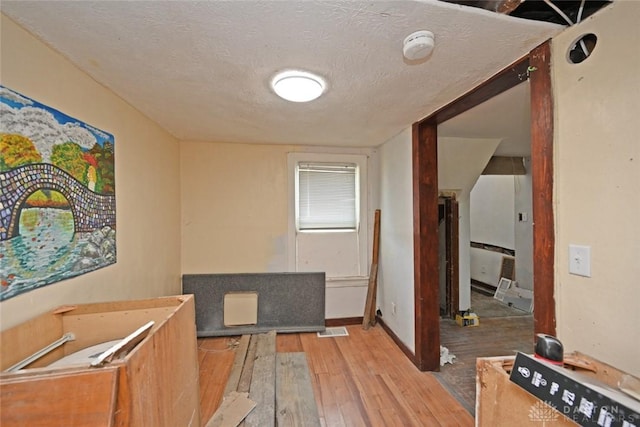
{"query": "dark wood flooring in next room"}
(363, 379)
(508, 331)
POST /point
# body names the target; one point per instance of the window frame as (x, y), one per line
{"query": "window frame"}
(361, 160)
(356, 189)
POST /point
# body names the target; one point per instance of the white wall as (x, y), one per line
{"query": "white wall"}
(496, 201)
(492, 222)
(524, 229)
(597, 187)
(396, 278)
(460, 163)
(493, 211)
(147, 181)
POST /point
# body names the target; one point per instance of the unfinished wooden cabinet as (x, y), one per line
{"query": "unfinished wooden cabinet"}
(500, 402)
(155, 384)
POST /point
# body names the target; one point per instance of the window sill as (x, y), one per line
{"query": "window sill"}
(347, 282)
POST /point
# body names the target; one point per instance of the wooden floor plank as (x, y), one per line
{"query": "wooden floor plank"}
(399, 401)
(216, 357)
(295, 401)
(238, 363)
(314, 349)
(328, 408)
(244, 383)
(233, 409)
(288, 343)
(263, 383)
(346, 383)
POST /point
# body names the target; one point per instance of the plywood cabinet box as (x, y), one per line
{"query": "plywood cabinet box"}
(156, 384)
(500, 402)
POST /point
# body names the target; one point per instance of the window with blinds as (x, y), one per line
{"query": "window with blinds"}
(327, 196)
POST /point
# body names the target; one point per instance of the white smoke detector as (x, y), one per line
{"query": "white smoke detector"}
(418, 45)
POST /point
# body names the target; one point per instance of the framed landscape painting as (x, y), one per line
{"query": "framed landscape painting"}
(57, 196)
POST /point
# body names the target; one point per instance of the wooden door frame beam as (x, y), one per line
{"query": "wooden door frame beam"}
(425, 227)
(425, 199)
(453, 250)
(502, 81)
(542, 181)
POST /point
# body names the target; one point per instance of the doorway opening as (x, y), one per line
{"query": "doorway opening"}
(426, 192)
(448, 237)
(501, 240)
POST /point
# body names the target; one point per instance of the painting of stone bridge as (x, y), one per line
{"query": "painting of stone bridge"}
(57, 196)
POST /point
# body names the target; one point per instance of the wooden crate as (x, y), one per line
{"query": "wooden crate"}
(156, 384)
(500, 402)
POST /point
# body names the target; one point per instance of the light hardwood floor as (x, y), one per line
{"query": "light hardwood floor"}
(360, 380)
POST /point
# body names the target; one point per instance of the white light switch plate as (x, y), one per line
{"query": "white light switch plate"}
(580, 260)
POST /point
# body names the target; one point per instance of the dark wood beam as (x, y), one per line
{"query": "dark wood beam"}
(425, 227)
(542, 176)
(499, 6)
(453, 250)
(509, 77)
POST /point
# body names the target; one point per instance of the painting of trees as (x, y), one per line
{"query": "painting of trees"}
(17, 150)
(104, 164)
(69, 157)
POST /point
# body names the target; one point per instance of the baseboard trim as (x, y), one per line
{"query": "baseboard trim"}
(493, 248)
(483, 288)
(410, 355)
(344, 321)
(481, 283)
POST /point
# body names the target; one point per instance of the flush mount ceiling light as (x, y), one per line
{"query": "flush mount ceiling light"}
(298, 86)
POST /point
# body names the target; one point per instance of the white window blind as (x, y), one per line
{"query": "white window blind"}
(327, 196)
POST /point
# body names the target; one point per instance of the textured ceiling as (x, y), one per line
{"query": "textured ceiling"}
(201, 69)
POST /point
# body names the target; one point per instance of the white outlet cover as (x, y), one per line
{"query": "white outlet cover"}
(580, 260)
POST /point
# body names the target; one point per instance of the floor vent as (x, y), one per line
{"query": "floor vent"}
(334, 332)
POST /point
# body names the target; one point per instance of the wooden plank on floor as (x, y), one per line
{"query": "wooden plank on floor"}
(238, 363)
(244, 383)
(263, 382)
(369, 318)
(295, 401)
(214, 370)
(233, 410)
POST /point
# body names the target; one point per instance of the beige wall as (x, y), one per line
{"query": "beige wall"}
(147, 181)
(235, 215)
(597, 187)
(234, 208)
